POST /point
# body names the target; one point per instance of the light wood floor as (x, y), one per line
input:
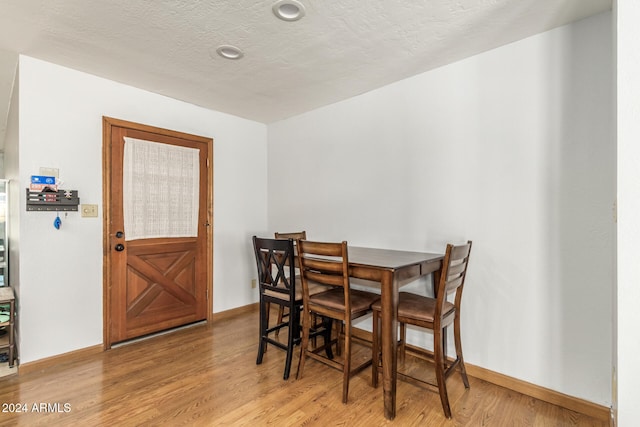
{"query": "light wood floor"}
(206, 375)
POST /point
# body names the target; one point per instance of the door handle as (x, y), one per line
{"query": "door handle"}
(119, 247)
(119, 234)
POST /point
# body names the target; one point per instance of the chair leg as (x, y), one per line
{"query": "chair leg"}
(402, 348)
(304, 343)
(280, 317)
(440, 369)
(314, 339)
(444, 346)
(266, 325)
(327, 324)
(346, 372)
(294, 316)
(375, 349)
(339, 332)
(458, 342)
(264, 319)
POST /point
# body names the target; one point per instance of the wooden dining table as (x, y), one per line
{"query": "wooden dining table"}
(392, 269)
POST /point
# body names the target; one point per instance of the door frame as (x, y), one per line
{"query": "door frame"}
(107, 124)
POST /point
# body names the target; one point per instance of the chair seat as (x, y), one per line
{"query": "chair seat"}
(314, 288)
(416, 307)
(334, 299)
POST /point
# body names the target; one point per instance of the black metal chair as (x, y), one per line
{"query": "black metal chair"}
(279, 285)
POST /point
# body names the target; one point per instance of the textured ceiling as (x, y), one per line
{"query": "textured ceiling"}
(341, 48)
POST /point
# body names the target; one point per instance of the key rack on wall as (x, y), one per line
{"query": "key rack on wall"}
(61, 200)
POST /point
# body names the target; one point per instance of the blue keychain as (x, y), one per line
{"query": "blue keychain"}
(57, 222)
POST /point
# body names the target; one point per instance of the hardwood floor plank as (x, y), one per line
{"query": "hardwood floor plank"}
(207, 375)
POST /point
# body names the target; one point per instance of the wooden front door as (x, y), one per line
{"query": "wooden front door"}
(153, 284)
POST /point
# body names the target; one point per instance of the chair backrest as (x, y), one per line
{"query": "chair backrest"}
(298, 235)
(452, 276)
(295, 236)
(325, 264)
(275, 262)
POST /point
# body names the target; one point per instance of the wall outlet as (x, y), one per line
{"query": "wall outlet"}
(254, 283)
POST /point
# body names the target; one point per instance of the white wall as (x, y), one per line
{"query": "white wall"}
(513, 149)
(627, 340)
(60, 117)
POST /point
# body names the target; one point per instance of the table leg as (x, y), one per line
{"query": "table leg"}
(389, 332)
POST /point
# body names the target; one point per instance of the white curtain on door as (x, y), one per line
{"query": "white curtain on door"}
(160, 189)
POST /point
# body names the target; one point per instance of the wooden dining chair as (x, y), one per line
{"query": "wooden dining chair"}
(327, 264)
(434, 314)
(279, 285)
(295, 235)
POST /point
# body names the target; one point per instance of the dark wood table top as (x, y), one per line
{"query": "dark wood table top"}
(389, 258)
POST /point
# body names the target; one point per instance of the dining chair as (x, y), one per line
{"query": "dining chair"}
(327, 264)
(279, 285)
(282, 311)
(295, 236)
(434, 314)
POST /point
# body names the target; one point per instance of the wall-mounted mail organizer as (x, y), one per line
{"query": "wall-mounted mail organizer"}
(61, 200)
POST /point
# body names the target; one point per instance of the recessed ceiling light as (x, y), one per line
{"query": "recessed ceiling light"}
(229, 52)
(288, 10)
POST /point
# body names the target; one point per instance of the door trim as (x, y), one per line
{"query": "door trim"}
(107, 124)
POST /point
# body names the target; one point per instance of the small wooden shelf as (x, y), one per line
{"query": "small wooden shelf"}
(61, 200)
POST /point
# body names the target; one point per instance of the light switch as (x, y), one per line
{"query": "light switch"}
(89, 210)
